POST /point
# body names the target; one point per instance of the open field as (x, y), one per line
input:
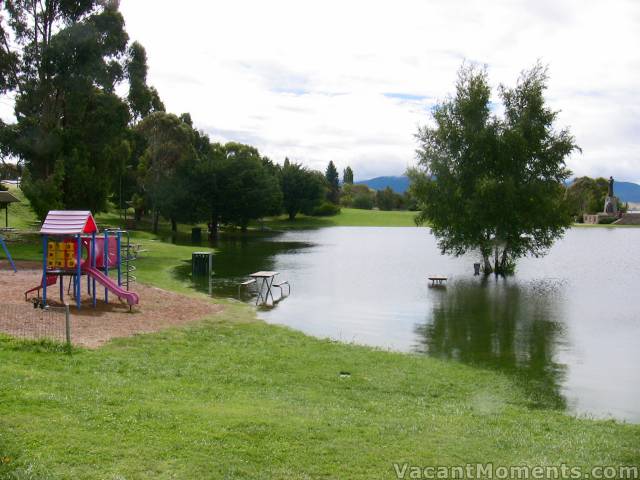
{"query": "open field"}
(348, 217)
(241, 399)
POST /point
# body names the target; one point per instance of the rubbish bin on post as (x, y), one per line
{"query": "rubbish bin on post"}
(201, 264)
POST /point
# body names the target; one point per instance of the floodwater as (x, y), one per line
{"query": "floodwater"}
(565, 326)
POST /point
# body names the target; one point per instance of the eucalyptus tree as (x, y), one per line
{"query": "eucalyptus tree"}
(494, 185)
(166, 165)
(62, 61)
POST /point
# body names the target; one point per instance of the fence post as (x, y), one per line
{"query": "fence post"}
(67, 325)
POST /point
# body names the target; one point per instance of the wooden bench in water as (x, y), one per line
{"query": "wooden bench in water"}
(437, 280)
(245, 284)
(282, 284)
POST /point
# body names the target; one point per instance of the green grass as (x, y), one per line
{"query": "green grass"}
(21, 217)
(240, 399)
(348, 217)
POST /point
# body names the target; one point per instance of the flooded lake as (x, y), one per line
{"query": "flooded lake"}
(565, 326)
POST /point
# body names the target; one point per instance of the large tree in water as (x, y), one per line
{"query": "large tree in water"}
(494, 185)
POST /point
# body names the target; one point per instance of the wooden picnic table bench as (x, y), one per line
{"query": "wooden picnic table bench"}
(437, 280)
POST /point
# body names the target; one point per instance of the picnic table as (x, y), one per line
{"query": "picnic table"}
(437, 280)
(267, 281)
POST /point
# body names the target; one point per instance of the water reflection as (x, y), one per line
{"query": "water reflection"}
(565, 326)
(501, 325)
(236, 257)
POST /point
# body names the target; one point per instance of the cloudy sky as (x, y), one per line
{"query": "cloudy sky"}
(350, 81)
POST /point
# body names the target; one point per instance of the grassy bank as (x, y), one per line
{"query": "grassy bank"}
(348, 217)
(235, 398)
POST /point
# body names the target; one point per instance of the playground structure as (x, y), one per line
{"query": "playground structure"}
(72, 248)
(6, 252)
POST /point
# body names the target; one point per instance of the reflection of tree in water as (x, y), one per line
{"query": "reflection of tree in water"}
(502, 326)
(236, 257)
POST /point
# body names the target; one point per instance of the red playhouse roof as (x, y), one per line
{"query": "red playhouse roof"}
(68, 222)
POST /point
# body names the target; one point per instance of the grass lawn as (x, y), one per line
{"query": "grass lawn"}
(348, 217)
(235, 398)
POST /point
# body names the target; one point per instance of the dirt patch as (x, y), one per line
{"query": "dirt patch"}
(158, 309)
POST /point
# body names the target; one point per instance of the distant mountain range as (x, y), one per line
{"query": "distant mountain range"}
(397, 184)
(625, 191)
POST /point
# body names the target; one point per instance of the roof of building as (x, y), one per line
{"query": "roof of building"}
(69, 222)
(8, 197)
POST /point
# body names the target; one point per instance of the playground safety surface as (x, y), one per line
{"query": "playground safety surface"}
(92, 328)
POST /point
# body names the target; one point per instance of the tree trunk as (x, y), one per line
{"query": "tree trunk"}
(496, 256)
(503, 260)
(156, 218)
(174, 225)
(487, 269)
(214, 226)
(292, 216)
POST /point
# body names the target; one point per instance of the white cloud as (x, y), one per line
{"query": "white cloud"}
(308, 79)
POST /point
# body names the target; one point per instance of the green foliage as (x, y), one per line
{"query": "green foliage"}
(607, 220)
(44, 194)
(143, 99)
(166, 166)
(350, 191)
(363, 201)
(68, 59)
(490, 185)
(586, 196)
(9, 171)
(333, 183)
(387, 199)
(347, 176)
(302, 189)
(327, 209)
(248, 188)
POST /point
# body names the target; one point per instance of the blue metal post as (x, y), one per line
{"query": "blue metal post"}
(93, 265)
(6, 251)
(118, 259)
(78, 272)
(106, 263)
(45, 245)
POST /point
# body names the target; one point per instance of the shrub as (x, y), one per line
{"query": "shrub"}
(607, 220)
(363, 201)
(327, 209)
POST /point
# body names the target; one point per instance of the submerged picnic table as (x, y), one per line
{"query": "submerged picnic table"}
(267, 280)
(437, 280)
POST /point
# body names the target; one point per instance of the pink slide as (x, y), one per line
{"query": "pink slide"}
(130, 297)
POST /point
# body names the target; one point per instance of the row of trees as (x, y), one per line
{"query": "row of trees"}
(361, 196)
(80, 144)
